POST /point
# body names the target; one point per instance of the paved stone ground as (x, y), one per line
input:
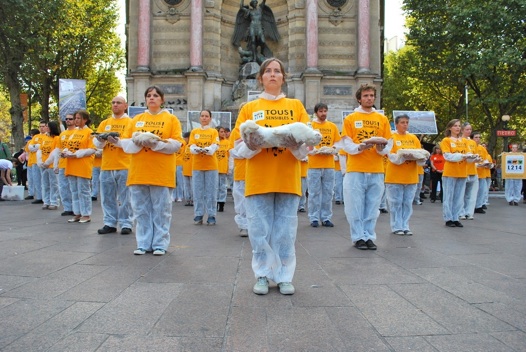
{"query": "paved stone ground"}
(65, 288)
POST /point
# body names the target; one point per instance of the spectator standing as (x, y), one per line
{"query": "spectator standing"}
(436, 161)
(63, 183)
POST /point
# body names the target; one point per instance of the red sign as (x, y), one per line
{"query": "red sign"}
(506, 133)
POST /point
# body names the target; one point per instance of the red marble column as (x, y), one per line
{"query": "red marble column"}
(364, 41)
(143, 44)
(196, 35)
(312, 34)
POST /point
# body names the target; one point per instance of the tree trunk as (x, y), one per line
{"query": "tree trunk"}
(16, 111)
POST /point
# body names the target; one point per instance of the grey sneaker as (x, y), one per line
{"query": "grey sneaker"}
(286, 288)
(261, 286)
(243, 233)
(198, 220)
(139, 251)
(159, 251)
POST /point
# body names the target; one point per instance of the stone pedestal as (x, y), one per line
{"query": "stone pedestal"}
(312, 82)
(246, 82)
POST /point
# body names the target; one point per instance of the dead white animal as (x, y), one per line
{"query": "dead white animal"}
(375, 140)
(413, 154)
(140, 138)
(326, 150)
(277, 136)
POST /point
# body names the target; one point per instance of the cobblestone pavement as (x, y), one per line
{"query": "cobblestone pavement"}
(63, 287)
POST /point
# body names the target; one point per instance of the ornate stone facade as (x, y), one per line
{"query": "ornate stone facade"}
(329, 48)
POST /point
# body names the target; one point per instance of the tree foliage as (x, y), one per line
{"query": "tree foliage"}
(481, 44)
(45, 41)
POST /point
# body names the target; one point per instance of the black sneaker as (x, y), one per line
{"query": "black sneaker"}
(38, 201)
(93, 198)
(383, 211)
(315, 223)
(338, 202)
(484, 206)
(29, 197)
(458, 224)
(126, 231)
(370, 245)
(360, 244)
(67, 213)
(327, 223)
(480, 211)
(450, 223)
(106, 229)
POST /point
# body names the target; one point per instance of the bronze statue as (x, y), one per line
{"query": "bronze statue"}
(254, 24)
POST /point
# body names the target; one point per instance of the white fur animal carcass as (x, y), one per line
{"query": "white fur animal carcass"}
(276, 136)
(141, 137)
(413, 154)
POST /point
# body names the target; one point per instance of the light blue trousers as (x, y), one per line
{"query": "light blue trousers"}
(483, 191)
(64, 190)
(272, 227)
(204, 189)
(222, 187)
(35, 179)
(95, 182)
(188, 188)
(418, 189)
(453, 189)
(303, 198)
(49, 187)
(338, 186)
(238, 192)
(80, 195)
(178, 192)
(362, 193)
(400, 198)
(152, 212)
(512, 190)
(115, 198)
(321, 187)
(470, 195)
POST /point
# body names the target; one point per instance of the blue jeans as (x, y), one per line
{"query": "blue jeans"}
(303, 198)
(95, 182)
(35, 174)
(115, 198)
(152, 211)
(222, 188)
(188, 188)
(453, 189)
(179, 184)
(321, 187)
(470, 195)
(204, 189)
(362, 193)
(400, 198)
(80, 195)
(338, 186)
(272, 227)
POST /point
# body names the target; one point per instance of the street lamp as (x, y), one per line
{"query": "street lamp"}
(505, 120)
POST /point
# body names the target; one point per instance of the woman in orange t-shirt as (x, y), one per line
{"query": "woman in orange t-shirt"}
(437, 167)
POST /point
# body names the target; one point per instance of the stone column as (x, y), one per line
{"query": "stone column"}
(143, 38)
(312, 34)
(196, 35)
(364, 41)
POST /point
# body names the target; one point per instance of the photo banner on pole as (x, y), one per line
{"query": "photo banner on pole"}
(71, 96)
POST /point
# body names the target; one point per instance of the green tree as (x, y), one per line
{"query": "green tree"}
(481, 44)
(22, 30)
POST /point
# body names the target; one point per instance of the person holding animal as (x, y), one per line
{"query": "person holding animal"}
(272, 180)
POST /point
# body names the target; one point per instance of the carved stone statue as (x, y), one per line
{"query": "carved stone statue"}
(255, 24)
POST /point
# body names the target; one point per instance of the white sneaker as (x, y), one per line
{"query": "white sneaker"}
(286, 288)
(469, 217)
(462, 217)
(139, 251)
(243, 233)
(261, 286)
(159, 251)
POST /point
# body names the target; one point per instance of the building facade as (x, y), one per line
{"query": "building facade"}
(329, 47)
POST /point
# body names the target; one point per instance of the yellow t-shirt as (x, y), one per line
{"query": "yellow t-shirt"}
(222, 155)
(454, 169)
(330, 135)
(483, 172)
(471, 168)
(80, 167)
(37, 139)
(304, 168)
(273, 169)
(63, 143)
(113, 157)
(204, 138)
(47, 146)
(148, 167)
(187, 162)
(97, 161)
(360, 126)
(407, 172)
(240, 167)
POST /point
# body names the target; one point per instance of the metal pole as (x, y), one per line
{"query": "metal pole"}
(467, 100)
(505, 146)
